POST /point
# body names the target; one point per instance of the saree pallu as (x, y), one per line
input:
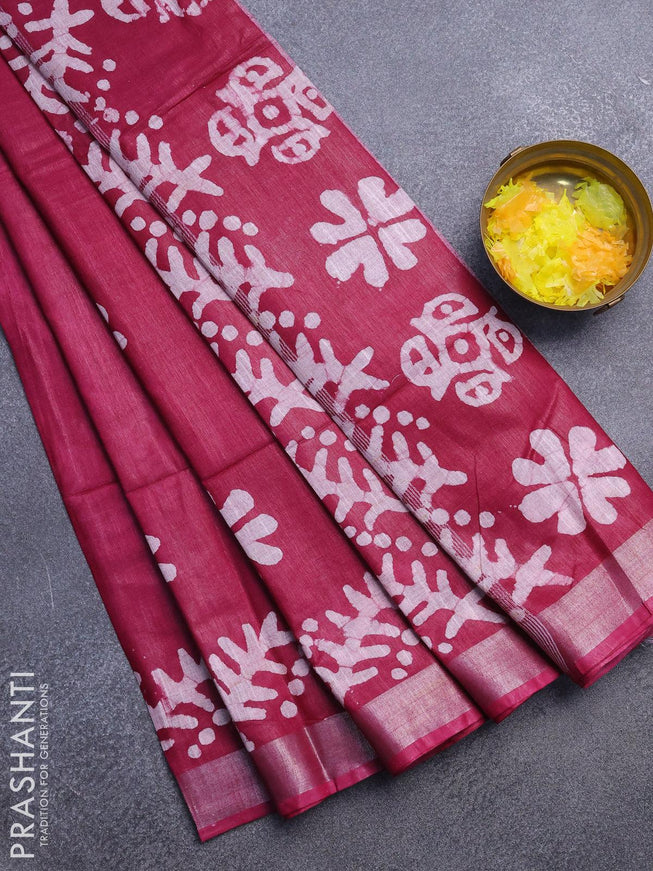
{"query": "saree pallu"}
(418, 414)
(303, 745)
(488, 657)
(402, 676)
(217, 779)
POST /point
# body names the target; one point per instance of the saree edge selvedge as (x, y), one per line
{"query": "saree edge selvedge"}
(611, 647)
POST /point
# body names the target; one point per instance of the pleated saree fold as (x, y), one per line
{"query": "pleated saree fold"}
(488, 657)
(217, 779)
(304, 745)
(375, 515)
(321, 563)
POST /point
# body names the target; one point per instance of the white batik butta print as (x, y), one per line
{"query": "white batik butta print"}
(458, 346)
(243, 270)
(181, 272)
(132, 10)
(109, 178)
(424, 476)
(183, 706)
(371, 236)
(239, 663)
(148, 172)
(320, 366)
(491, 562)
(168, 570)
(429, 593)
(263, 105)
(260, 383)
(62, 52)
(572, 480)
(35, 85)
(363, 492)
(353, 638)
(239, 507)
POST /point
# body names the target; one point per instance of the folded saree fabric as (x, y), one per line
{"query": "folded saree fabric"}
(203, 749)
(416, 412)
(490, 658)
(460, 415)
(404, 701)
(302, 743)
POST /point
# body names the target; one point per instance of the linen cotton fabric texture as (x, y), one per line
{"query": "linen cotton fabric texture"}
(165, 498)
(353, 511)
(509, 672)
(149, 626)
(444, 712)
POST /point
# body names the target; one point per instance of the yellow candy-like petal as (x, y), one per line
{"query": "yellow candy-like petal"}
(601, 205)
(550, 250)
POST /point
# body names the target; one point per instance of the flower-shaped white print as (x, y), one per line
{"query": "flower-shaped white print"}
(571, 481)
(366, 235)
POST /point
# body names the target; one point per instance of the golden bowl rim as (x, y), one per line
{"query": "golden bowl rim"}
(617, 292)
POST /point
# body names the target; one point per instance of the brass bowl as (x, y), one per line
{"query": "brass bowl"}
(561, 164)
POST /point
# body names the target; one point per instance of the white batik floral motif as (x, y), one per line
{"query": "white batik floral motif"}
(148, 172)
(427, 476)
(238, 505)
(477, 562)
(364, 235)
(35, 85)
(58, 55)
(456, 345)
(176, 276)
(263, 105)
(488, 568)
(163, 718)
(358, 628)
(347, 377)
(420, 600)
(570, 490)
(108, 177)
(347, 491)
(245, 278)
(265, 386)
(242, 695)
(534, 573)
(168, 570)
(184, 692)
(131, 10)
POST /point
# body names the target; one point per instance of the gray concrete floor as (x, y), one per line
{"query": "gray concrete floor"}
(440, 91)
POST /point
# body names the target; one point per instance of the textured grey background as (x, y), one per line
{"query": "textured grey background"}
(440, 91)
